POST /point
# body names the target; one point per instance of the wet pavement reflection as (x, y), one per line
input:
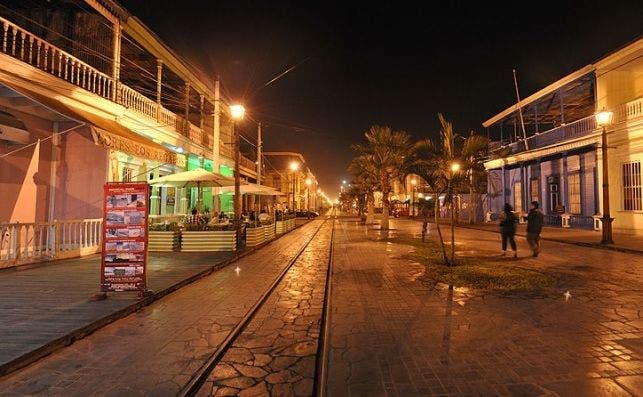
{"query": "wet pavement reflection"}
(394, 333)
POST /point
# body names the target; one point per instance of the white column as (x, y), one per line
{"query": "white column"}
(155, 200)
(116, 58)
(216, 132)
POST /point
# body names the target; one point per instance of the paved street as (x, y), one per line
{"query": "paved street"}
(395, 335)
(157, 349)
(276, 353)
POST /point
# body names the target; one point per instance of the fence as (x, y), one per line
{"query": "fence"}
(22, 243)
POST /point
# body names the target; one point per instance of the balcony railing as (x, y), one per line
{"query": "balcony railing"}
(33, 242)
(37, 52)
(578, 128)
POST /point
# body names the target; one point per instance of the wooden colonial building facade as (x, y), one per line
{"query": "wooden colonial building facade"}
(557, 159)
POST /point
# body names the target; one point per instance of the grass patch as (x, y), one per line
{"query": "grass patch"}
(478, 273)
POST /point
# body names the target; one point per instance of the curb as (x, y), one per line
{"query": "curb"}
(557, 240)
(80, 333)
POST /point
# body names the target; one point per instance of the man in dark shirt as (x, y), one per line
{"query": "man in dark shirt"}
(535, 221)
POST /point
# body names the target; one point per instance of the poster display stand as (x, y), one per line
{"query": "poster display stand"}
(124, 254)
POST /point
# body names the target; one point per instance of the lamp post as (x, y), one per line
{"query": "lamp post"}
(414, 183)
(308, 183)
(319, 192)
(455, 167)
(294, 166)
(603, 119)
(237, 112)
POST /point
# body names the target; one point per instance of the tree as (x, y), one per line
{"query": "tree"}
(475, 149)
(434, 165)
(389, 153)
(365, 176)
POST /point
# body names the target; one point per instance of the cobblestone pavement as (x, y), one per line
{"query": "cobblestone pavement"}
(275, 355)
(393, 334)
(155, 350)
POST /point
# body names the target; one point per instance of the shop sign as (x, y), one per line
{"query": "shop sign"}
(124, 254)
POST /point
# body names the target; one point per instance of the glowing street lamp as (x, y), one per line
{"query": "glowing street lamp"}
(455, 167)
(603, 119)
(237, 112)
(294, 166)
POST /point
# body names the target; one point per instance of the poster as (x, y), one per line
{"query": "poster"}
(124, 255)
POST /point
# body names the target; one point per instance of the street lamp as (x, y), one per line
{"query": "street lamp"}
(308, 183)
(237, 112)
(455, 167)
(603, 119)
(414, 182)
(294, 166)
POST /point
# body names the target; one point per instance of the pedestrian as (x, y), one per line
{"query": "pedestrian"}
(535, 220)
(508, 223)
(195, 218)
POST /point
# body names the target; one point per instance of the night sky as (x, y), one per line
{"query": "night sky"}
(393, 64)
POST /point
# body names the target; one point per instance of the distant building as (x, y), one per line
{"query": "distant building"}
(279, 173)
(560, 162)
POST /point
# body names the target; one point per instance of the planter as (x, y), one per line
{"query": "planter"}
(255, 236)
(280, 227)
(269, 232)
(164, 241)
(208, 241)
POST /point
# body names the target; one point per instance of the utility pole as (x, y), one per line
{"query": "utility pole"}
(259, 143)
(522, 122)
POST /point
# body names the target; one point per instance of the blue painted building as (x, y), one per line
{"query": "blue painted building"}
(548, 146)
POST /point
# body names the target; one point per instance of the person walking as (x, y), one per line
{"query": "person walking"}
(508, 223)
(535, 220)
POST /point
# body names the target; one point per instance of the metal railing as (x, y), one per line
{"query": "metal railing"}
(553, 220)
(33, 242)
(581, 222)
(578, 128)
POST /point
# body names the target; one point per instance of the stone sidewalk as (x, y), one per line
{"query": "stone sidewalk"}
(394, 333)
(45, 306)
(156, 350)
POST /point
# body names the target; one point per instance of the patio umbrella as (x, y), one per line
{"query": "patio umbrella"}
(193, 178)
(198, 178)
(252, 188)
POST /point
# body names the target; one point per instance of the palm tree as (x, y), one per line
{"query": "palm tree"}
(389, 153)
(365, 176)
(475, 149)
(434, 166)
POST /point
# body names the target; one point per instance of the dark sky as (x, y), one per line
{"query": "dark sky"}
(396, 64)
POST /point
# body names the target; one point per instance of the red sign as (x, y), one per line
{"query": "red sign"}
(124, 257)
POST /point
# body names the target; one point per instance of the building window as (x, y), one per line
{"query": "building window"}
(573, 181)
(518, 196)
(535, 187)
(127, 174)
(632, 196)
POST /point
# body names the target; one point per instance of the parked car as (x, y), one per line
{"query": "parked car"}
(306, 214)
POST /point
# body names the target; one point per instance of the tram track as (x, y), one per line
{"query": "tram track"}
(200, 377)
